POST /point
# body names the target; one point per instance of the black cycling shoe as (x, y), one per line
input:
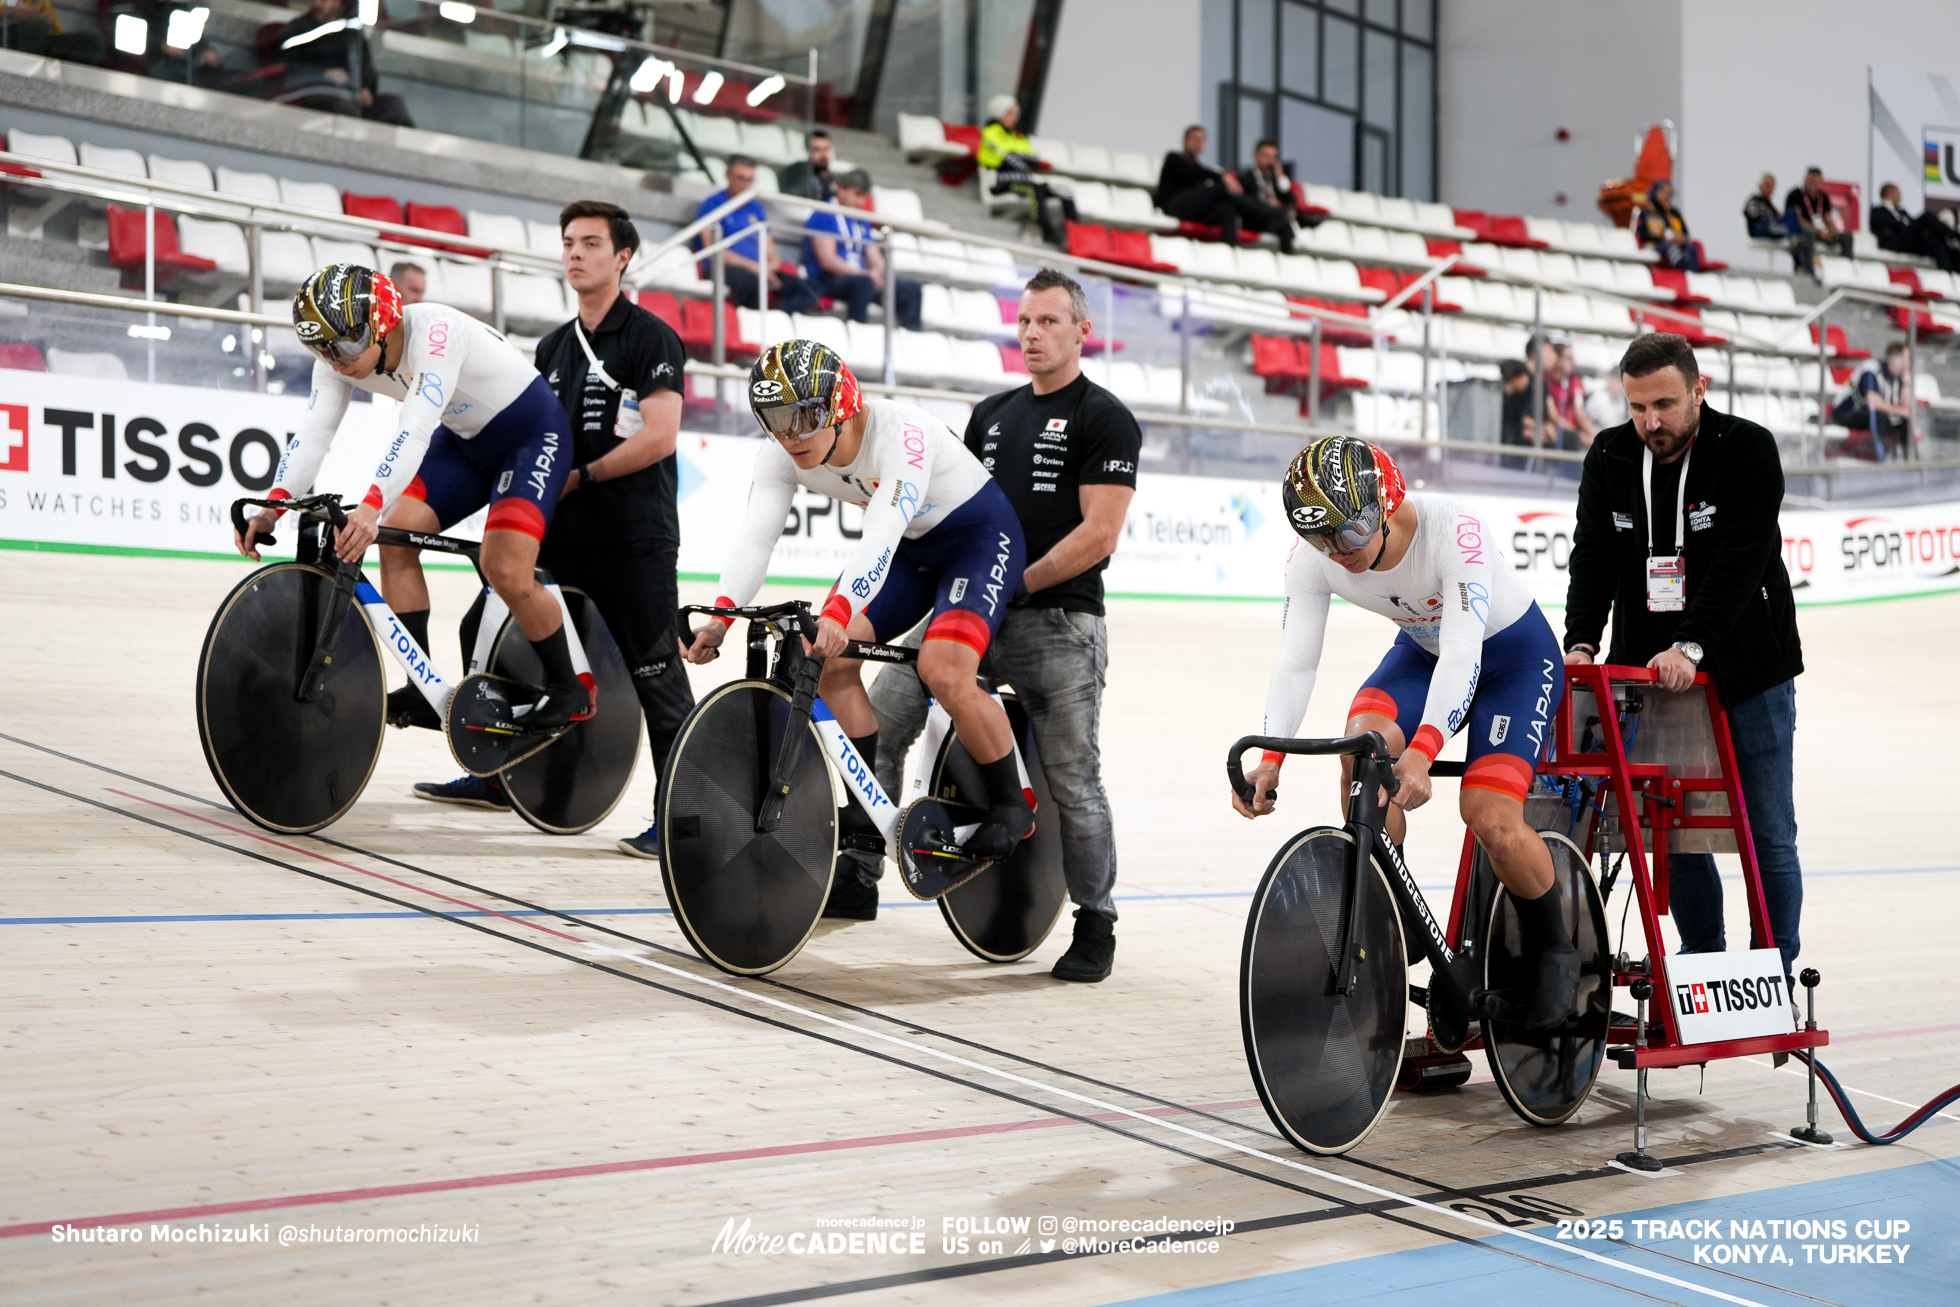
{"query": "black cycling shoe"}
(1006, 825)
(851, 899)
(1092, 954)
(1551, 1002)
(407, 707)
(559, 705)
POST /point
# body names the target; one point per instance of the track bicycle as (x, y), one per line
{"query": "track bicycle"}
(292, 700)
(1323, 979)
(749, 812)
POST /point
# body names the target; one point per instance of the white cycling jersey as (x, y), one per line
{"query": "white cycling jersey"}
(909, 475)
(454, 371)
(1453, 590)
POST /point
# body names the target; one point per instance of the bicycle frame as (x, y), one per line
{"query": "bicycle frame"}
(351, 586)
(801, 674)
(1374, 779)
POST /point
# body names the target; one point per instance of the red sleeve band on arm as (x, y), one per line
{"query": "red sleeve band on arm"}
(1428, 742)
(372, 499)
(1273, 756)
(723, 601)
(837, 610)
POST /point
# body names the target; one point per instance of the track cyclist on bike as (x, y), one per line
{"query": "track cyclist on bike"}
(1471, 650)
(478, 426)
(939, 536)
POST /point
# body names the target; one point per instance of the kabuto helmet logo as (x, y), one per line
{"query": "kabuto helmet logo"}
(766, 389)
(1308, 516)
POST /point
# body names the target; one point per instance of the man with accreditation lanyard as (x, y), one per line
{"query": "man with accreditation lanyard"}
(616, 535)
(1678, 535)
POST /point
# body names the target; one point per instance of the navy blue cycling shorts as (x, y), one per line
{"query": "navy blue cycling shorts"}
(1521, 684)
(963, 572)
(518, 464)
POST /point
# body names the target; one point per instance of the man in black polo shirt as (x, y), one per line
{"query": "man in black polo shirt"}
(1065, 451)
(616, 535)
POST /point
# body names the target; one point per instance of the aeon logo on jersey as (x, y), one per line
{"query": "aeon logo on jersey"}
(915, 447)
(438, 337)
(13, 438)
(1470, 539)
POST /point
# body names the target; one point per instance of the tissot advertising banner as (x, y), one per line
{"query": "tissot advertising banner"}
(129, 465)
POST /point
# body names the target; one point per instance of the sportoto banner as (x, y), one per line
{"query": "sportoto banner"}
(133, 466)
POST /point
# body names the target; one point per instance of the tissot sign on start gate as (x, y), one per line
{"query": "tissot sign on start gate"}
(121, 463)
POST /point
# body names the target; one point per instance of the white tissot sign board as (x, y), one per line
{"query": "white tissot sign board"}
(1735, 995)
(129, 465)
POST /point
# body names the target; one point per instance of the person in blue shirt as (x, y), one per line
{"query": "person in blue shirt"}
(746, 259)
(844, 261)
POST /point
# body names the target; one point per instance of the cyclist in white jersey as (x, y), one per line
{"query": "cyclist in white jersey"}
(477, 426)
(1472, 650)
(939, 537)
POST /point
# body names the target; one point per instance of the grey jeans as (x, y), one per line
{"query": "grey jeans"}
(1057, 662)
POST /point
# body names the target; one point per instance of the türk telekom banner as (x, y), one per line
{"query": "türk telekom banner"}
(129, 465)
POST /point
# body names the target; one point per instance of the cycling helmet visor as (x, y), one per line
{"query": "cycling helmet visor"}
(794, 421)
(1353, 534)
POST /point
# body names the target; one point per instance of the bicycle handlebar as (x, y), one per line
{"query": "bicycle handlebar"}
(1366, 742)
(866, 649)
(326, 507)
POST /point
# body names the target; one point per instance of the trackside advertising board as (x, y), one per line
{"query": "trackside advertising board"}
(126, 465)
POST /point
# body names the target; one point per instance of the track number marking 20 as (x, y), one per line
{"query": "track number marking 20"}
(1590, 1229)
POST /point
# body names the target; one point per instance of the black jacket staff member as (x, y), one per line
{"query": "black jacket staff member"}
(616, 534)
(1678, 536)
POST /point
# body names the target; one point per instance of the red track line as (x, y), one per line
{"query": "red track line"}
(294, 848)
(1894, 1034)
(575, 1172)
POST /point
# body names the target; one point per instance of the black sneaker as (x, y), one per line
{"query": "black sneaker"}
(1093, 953)
(470, 791)
(407, 707)
(559, 705)
(644, 845)
(851, 899)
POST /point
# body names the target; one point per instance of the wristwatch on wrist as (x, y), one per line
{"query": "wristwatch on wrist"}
(1592, 650)
(1690, 650)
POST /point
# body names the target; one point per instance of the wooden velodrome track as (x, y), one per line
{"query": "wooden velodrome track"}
(206, 1029)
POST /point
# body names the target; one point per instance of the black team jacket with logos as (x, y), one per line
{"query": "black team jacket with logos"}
(1739, 607)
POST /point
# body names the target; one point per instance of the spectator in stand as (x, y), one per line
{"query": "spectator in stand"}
(1897, 230)
(1012, 157)
(412, 280)
(34, 27)
(1194, 192)
(199, 63)
(330, 68)
(1808, 210)
(1661, 228)
(1607, 406)
(1768, 223)
(810, 178)
(1568, 425)
(1270, 190)
(745, 260)
(843, 261)
(1876, 403)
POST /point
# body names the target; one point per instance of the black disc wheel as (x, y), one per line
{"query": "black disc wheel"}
(1324, 1063)
(289, 766)
(1545, 1075)
(1004, 913)
(573, 785)
(746, 899)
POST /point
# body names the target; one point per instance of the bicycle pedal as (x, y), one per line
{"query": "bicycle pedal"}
(931, 863)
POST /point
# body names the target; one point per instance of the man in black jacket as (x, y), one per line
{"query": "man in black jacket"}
(1678, 535)
(1195, 192)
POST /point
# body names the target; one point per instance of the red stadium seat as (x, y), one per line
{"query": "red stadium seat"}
(1511, 231)
(1909, 279)
(1924, 328)
(1279, 361)
(1330, 332)
(442, 218)
(663, 306)
(381, 208)
(1011, 360)
(22, 358)
(1305, 209)
(1086, 240)
(1132, 250)
(1839, 348)
(1442, 249)
(127, 247)
(958, 134)
(1707, 264)
(697, 330)
(1475, 219)
(1675, 281)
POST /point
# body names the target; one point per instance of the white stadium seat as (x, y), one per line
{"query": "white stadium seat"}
(466, 286)
(500, 231)
(323, 196)
(52, 149)
(259, 186)
(109, 159)
(285, 261)
(221, 242)
(192, 173)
